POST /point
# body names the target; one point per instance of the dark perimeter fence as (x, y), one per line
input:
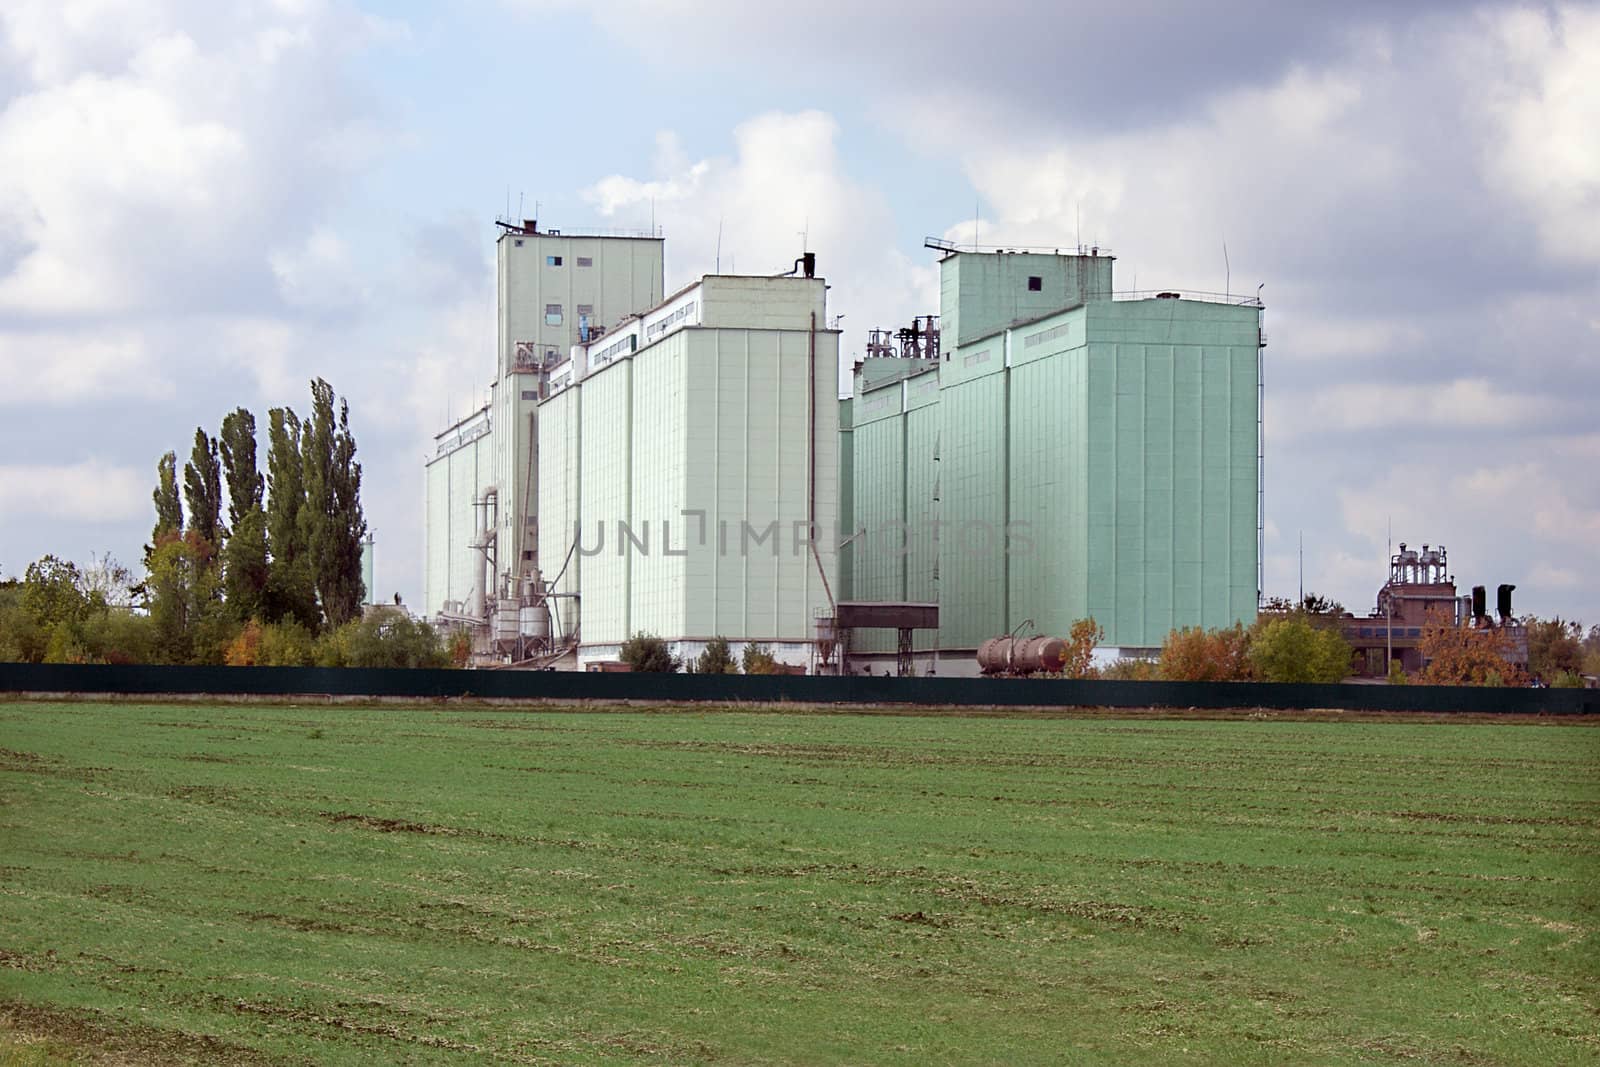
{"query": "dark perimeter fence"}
(94, 679)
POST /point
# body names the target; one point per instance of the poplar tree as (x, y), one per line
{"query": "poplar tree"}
(244, 560)
(238, 443)
(331, 521)
(291, 588)
(169, 510)
(202, 489)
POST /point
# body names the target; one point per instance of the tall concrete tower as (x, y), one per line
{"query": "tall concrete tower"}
(553, 291)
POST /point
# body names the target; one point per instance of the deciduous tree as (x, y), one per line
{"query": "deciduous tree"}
(187, 615)
(1555, 647)
(1086, 634)
(1193, 654)
(245, 573)
(169, 509)
(331, 522)
(238, 446)
(1463, 655)
(202, 488)
(1294, 650)
(291, 585)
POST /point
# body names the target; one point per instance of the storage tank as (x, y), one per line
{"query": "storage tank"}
(1040, 654)
(994, 655)
(536, 623)
(1022, 655)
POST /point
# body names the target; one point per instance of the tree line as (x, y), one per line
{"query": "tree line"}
(243, 566)
(1289, 642)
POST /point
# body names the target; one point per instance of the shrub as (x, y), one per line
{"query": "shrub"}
(1132, 670)
(460, 648)
(64, 646)
(332, 647)
(1567, 680)
(245, 650)
(1397, 674)
(1293, 650)
(648, 654)
(391, 638)
(757, 659)
(716, 659)
(119, 636)
(1196, 655)
(1085, 635)
(286, 644)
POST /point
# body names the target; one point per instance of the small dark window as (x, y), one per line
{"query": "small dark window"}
(585, 261)
(530, 394)
(527, 553)
(1035, 283)
(552, 261)
(586, 309)
(518, 242)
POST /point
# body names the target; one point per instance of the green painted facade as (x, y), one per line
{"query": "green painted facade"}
(1098, 461)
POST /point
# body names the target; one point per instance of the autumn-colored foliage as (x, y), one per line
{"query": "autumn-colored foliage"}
(1079, 659)
(244, 650)
(1461, 655)
(1555, 647)
(1193, 654)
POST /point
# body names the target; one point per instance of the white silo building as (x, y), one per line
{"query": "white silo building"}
(670, 470)
(481, 533)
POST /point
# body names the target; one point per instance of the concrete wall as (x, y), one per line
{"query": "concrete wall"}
(624, 278)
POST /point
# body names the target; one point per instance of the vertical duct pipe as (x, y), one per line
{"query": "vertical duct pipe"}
(811, 462)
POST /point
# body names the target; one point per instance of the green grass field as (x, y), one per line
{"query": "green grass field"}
(347, 884)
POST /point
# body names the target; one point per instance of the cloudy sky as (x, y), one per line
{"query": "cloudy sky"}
(204, 205)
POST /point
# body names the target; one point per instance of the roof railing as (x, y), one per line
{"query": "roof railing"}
(1236, 299)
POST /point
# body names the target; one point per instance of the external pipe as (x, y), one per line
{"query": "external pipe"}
(811, 463)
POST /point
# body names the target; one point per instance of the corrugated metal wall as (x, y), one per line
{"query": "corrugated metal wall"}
(560, 422)
(1124, 469)
(453, 484)
(657, 591)
(604, 470)
(713, 423)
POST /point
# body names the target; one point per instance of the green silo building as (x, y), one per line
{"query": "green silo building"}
(1063, 451)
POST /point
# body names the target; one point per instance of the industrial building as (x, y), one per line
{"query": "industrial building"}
(1044, 449)
(481, 529)
(1052, 450)
(652, 465)
(1421, 592)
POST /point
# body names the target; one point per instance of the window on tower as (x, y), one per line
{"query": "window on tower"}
(552, 314)
(1035, 283)
(552, 261)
